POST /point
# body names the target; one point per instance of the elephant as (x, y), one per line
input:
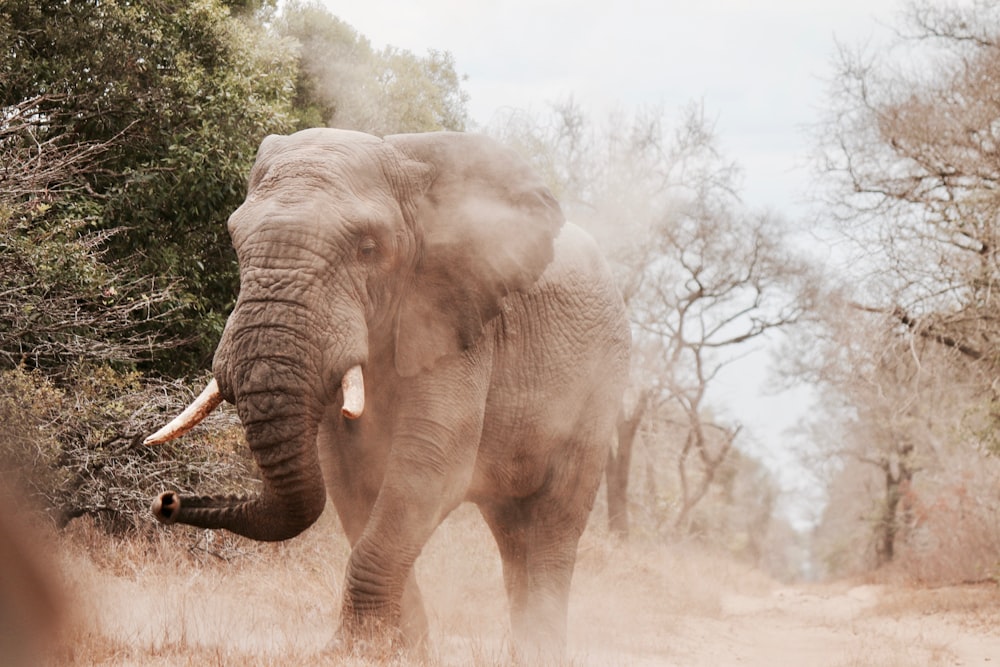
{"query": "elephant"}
(416, 326)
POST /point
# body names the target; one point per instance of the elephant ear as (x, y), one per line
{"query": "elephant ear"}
(485, 225)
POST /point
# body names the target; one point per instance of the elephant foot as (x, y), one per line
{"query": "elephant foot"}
(344, 648)
(414, 630)
(378, 652)
(371, 640)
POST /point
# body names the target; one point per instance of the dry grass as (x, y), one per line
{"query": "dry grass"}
(879, 651)
(975, 607)
(182, 600)
(200, 598)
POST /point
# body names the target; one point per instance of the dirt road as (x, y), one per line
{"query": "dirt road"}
(631, 605)
(841, 626)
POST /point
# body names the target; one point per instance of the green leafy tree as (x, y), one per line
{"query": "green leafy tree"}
(344, 82)
(178, 96)
(62, 300)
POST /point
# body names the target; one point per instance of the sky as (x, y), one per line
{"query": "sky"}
(760, 68)
(758, 65)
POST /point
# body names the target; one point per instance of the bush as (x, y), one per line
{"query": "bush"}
(954, 530)
(62, 303)
(146, 140)
(77, 448)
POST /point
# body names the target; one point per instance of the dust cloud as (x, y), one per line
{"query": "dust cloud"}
(208, 598)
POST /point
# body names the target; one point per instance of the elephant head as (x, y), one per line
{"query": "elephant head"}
(355, 251)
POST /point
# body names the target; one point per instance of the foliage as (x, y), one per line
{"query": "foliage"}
(93, 142)
(165, 104)
(60, 303)
(61, 299)
(77, 447)
(344, 82)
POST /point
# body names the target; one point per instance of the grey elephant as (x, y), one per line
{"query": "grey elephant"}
(417, 326)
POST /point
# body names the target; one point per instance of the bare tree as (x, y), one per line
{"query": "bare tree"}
(909, 158)
(913, 153)
(718, 281)
(620, 462)
(701, 275)
(899, 442)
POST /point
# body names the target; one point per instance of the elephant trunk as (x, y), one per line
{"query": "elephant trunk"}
(281, 426)
(275, 364)
(281, 431)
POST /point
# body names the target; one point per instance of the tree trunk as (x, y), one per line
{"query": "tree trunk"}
(619, 465)
(709, 464)
(897, 479)
(617, 487)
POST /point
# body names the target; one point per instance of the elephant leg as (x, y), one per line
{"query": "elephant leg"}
(413, 617)
(413, 624)
(354, 490)
(538, 548)
(508, 525)
(382, 599)
(436, 430)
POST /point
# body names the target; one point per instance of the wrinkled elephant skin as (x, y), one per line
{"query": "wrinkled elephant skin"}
(483, 339)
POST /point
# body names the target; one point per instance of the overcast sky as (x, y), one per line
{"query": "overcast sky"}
(758, 66)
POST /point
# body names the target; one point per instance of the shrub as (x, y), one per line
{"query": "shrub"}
(76, 448)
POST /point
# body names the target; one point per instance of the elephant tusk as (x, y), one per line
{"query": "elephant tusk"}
(207, 401)
(353, 385)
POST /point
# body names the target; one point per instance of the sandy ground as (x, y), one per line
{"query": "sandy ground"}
(837, 626)
(631, 606)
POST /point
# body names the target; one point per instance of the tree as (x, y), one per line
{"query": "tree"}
(908, 155)
(177, 95)
(912, 157)
(619, 465)
(897, 438)
(62, 301)
(700, 274)
(344, 82)
(714, 280)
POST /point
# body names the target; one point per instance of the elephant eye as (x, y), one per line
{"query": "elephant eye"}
(368, 248)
